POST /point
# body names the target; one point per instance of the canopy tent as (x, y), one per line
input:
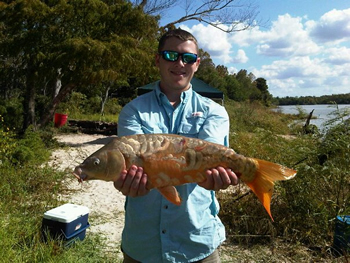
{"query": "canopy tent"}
(198, 85)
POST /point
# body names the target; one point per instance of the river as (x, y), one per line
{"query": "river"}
(322, 112)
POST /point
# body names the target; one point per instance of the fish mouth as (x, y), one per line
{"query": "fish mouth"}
(78, 173)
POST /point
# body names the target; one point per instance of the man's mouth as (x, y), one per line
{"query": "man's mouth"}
(178, 73)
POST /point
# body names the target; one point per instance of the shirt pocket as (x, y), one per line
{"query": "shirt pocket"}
(191, 125)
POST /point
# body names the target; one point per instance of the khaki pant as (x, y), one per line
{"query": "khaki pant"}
(213, 258)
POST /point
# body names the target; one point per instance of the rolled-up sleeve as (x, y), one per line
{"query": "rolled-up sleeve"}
(129, 122)
(216, 126)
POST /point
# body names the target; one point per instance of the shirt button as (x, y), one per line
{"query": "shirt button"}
(166, 207)
(163, 231)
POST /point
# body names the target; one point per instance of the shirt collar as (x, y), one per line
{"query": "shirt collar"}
(185, 95)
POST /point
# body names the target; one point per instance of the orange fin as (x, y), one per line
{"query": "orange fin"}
(264, 180)
(171, 194)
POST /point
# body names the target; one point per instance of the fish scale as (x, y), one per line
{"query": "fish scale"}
(171, 160)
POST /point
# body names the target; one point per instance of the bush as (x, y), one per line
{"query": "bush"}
(247, 117)
(112, 106)
(12, 111)
(305, 207)
(78, 105)
(28, 189)
(7, 142)
(31, 148)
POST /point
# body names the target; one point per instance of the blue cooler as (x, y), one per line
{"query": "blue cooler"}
(342, 234)
(67, 222)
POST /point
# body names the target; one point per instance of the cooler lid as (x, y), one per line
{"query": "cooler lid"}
(344, 219)
(66, 213)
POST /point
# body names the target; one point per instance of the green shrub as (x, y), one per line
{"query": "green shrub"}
(112, 106)
(28, 189)
(305, 207)
(31, 148)
(93, 105)
(7, 142)
(12, 111)
(77, 105)
(247, 117)
(25, 194)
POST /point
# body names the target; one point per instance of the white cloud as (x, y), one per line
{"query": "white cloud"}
(332, 26)
(338, 56)
(287, 37)
(240, 57)
(296, 56)
(301, 76)
(247, 37)
(212, 40)
(297, 67)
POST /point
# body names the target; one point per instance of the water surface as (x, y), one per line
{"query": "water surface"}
(322, 112)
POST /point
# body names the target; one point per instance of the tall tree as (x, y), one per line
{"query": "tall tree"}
(222, 70)
(206, 68)
(66, 44)
(262, 86)
(233, 88)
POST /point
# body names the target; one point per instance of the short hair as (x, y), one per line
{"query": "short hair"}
(178, 33)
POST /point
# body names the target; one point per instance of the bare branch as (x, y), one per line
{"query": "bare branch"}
(154, 7)
(226, 15)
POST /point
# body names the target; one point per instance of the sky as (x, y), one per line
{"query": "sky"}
(302, 47)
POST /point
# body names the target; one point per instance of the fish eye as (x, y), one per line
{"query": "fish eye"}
(97, 162)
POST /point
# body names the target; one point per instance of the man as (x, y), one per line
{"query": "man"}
(156, 230)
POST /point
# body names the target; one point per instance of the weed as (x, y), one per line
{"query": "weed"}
(29, 188)
(304, 208)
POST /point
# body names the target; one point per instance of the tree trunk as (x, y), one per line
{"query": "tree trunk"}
(58, 83)
(50, 111)
(29, 98)
(306, 128)
(103, 103)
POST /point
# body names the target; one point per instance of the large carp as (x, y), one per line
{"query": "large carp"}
(170, 160)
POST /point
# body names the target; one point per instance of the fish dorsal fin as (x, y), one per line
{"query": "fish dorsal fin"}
(170, 193)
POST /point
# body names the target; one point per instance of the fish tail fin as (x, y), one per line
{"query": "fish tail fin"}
(264, 180)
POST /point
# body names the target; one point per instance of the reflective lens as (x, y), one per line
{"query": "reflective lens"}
(188, 58)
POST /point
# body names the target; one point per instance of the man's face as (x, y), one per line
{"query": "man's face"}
(176, 75)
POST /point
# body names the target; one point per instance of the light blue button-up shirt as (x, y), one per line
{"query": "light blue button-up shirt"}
(156, 230)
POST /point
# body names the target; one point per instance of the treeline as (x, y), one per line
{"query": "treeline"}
(241, 86)
(311, 100)
(50, 49)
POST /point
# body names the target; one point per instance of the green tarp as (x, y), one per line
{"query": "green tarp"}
(198, 85)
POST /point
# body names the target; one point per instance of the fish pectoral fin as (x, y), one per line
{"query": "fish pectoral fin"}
(170, 193)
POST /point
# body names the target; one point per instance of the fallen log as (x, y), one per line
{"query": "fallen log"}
(94, 127)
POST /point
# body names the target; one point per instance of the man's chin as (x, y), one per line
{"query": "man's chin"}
(183, 84)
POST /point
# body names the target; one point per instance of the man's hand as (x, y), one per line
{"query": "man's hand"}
(132, 182)
(219, 178)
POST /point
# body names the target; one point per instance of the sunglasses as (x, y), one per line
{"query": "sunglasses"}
(188, 58)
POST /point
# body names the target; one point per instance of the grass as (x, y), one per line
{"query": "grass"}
(28, 189)
(26, 194)
(303, 208)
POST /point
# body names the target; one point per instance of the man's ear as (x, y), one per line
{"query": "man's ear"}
(198, 62)
(157, 58)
